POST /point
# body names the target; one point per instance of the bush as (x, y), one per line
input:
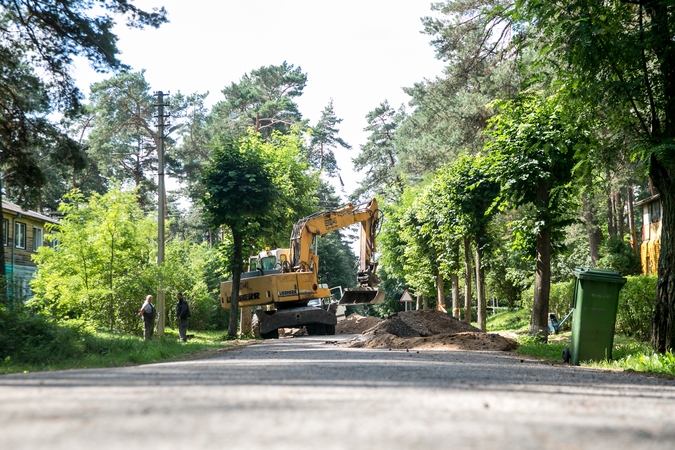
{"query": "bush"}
(636, 306)
(560, 299)
(32, 339)
(618, 255)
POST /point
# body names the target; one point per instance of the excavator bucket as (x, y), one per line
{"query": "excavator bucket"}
(362, 296)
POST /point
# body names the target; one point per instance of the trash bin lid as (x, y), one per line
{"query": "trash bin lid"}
(608, 276)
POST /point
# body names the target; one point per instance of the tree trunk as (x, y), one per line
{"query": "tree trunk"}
(237, 242)
(663, 329)
(467, 280)
(618, 213)
(440, 299)
(611, 228)
(631, 221)
(663, 176)
(592, 230)
(542, 278)
(480, 290)
(455, 296)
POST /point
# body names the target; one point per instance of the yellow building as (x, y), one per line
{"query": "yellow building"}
(23, 233)
(651, 233)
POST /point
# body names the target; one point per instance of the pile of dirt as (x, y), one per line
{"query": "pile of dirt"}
(421, 323)
(458, 341)
(431, 330)
(356, 324)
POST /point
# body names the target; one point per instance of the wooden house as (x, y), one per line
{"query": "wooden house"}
(23, 234)
(651, 233)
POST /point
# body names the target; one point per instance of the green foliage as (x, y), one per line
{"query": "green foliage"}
(618, 255)
(36, 59)
(645, 361)
(533, 346)
(104, 265)
(406, 253)
(636, 306)
(337, 258)
(560, 299)
(572, 253)
(450, 112)
(393, 288)
(123, 140)
(262, 100)
(33, 339)
(30, 342)
(259, 188)
(380, 154)
(324, 140)
(195, 270)
(511, 320)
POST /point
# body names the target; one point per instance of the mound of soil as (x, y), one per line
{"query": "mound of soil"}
(422, 323)
(431, 330)
(457, 341)
(356, 324)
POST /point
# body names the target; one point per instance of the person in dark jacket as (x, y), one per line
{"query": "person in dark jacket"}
(182, 315)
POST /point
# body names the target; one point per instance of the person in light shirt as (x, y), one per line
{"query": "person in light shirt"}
(147, 312)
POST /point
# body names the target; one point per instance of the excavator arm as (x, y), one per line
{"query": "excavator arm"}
(303, 256)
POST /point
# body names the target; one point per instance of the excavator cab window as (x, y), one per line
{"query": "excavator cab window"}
(268, 262)
(252, 264)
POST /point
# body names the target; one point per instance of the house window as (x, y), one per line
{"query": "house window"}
(654, 212)
(38, 240)
(20, 235)
(5, 232)
(54, 243)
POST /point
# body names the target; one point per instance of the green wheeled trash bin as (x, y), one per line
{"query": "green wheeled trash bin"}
(595, 303)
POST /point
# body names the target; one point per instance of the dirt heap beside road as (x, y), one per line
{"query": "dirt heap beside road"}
(430, 329)
(422, 323)
(356, 324)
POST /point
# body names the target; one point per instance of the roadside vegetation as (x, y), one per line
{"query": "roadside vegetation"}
(530, 156)
(631, 351)
(32, 343)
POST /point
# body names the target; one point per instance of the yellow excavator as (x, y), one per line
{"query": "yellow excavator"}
(283, 282)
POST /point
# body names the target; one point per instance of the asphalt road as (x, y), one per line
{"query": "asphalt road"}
(307, 393)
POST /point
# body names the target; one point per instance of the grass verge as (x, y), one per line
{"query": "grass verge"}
(105, 349)
(627, 354)
(513, 320)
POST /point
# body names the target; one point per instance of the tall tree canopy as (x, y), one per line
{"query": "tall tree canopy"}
(621, 57)
(533, 148)
(263, 100)
(39, 40)
(257, 189)
(324, 141)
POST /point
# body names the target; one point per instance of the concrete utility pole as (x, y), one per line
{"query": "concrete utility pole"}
(161, 303)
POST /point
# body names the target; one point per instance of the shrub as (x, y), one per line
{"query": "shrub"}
(636, 306)
(32, 339)
(618, 255)
(560, 299)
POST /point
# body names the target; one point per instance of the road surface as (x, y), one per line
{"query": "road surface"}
(308, 393)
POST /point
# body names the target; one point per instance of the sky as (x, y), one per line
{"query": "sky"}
(358, 53)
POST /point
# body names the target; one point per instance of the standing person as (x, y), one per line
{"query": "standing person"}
(182, 315)
(147, 312)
